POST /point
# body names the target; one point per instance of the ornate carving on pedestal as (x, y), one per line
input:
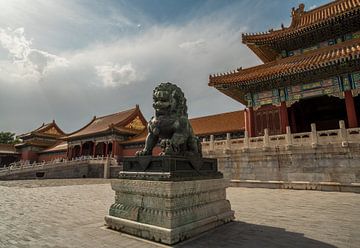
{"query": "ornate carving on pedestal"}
(169, 212)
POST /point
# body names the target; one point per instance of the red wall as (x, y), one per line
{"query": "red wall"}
(29, 155)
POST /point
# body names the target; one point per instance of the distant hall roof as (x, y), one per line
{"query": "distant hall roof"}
(219, 123)
(50, 130)
(115, 121)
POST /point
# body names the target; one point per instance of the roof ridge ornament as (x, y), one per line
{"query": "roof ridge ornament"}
(296, 14)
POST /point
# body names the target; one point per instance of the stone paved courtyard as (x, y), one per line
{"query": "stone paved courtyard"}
(69, 213)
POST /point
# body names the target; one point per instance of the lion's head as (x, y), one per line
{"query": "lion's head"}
(169, 99)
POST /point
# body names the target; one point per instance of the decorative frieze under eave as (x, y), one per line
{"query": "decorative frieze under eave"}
(293, 78)
(238, 91)
(327, 61)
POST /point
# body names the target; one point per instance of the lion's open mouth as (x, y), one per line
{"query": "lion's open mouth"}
(162, 107)
(162, 111)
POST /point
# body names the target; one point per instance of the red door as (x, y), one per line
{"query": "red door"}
(267, 117)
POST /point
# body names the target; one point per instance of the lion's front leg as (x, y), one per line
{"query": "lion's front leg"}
(151, 141)
(173, 146)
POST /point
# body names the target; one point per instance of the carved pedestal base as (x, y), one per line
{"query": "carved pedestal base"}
(169, 211)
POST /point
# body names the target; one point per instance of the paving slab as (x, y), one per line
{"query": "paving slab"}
(70, 213)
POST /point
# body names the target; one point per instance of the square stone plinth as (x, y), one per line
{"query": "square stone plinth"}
(167, 211)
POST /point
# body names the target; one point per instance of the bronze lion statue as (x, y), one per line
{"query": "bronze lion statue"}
(170, 124)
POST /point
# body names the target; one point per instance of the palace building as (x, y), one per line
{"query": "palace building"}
(310, 74)
(41, 138)
(115, 135)
(101, 136)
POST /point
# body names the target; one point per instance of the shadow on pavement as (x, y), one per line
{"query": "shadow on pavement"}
(242, 234)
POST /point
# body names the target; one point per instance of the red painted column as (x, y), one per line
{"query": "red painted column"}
(250, 122)
(120, 150)
(284, 118)
(67, 152)
(350, 109)
(94, 149)
(113, 148)
(106, 148)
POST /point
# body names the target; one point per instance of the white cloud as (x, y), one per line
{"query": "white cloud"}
(24, 61)
(15, 42)
(312, 7)
(126, 67)
(116, 75)
(193, 44)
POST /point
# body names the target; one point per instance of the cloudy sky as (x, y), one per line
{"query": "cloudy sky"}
(69, 60)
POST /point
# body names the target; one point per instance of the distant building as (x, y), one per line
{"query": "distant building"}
(101, 137)
(116, 135)
(219, 125)
(35, 141)
(311, 72)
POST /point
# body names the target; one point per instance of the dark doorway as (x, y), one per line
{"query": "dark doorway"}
(76, 151)
(100, 149)
(324, 111)
(88, 148)
(110, 149)
(8, 159)
(357, 107)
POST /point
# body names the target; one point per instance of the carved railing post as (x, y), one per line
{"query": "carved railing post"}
(288, 136)
(212, 142)
(246, 139)
(228, 141)
(343, 134)
(266, 138)
(107, 165)
(314, 138)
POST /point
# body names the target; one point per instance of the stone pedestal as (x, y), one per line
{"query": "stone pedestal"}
(166, 210)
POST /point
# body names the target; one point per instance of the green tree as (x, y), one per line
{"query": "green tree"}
(8, 138)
